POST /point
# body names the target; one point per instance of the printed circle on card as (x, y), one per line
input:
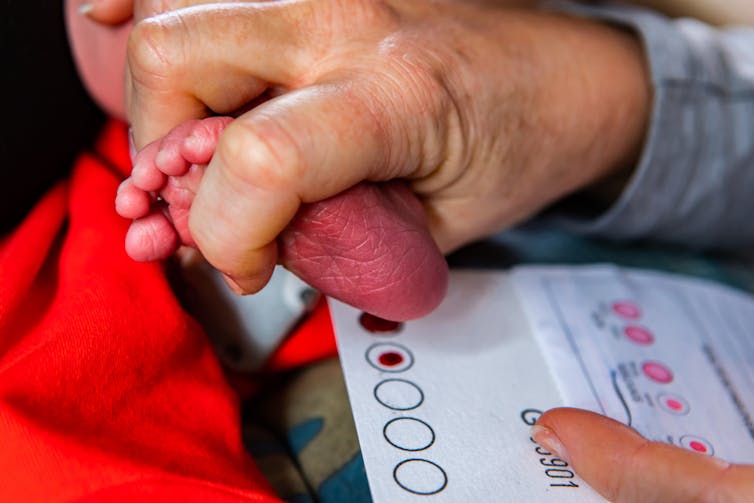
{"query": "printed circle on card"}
(399, 394)
(697, 444)
(420, 476)
(409, 434)
(389, 357)
(675, 404)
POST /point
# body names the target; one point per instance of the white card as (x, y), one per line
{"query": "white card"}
(443, 405)
(443, 408)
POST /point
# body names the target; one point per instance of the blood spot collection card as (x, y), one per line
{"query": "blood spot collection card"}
(443, 405)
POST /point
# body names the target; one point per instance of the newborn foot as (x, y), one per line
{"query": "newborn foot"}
(368, 246)
(163, 183)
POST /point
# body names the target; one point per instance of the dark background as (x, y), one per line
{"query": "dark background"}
(49, 117)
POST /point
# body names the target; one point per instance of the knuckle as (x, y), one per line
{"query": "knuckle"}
(154, 52)
(265, 157)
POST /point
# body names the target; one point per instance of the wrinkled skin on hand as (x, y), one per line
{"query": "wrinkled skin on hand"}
(473, 104)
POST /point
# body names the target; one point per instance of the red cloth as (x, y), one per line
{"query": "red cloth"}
(109, 391)
(311, 341)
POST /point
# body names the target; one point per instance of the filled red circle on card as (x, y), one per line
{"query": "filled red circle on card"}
(390, 359)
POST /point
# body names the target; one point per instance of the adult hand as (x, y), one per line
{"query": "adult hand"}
(625, 467)
(485, 110)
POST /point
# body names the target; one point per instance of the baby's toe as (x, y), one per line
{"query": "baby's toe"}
(199, 145)
(180, 217)
(169, 159)
(151, 238)
(179, 191)
(145, 174)
(131, 201)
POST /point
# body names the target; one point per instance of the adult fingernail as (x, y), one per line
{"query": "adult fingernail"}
(86, 8)
(546, 438)
(131, 144)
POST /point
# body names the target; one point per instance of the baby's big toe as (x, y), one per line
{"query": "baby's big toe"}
(151, 238)
(200, 144)
(131, 201)
(145, 174)
(169, 159)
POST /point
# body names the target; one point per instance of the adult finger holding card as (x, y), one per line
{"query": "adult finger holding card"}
(623, 466)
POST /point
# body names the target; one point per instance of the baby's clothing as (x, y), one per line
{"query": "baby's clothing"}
(109, 390)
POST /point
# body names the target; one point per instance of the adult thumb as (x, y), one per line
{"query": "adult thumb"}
(623, 466)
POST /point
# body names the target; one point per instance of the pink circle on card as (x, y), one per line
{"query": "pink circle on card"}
(639, 335)
(672, 403)
(697, 444)
(657, 372)
(627, 309)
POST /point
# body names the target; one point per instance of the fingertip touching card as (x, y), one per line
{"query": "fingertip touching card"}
(443, 405)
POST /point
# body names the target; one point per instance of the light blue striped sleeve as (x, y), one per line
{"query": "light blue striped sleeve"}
(694, 184)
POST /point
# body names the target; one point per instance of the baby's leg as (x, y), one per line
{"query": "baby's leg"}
(368, 246)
